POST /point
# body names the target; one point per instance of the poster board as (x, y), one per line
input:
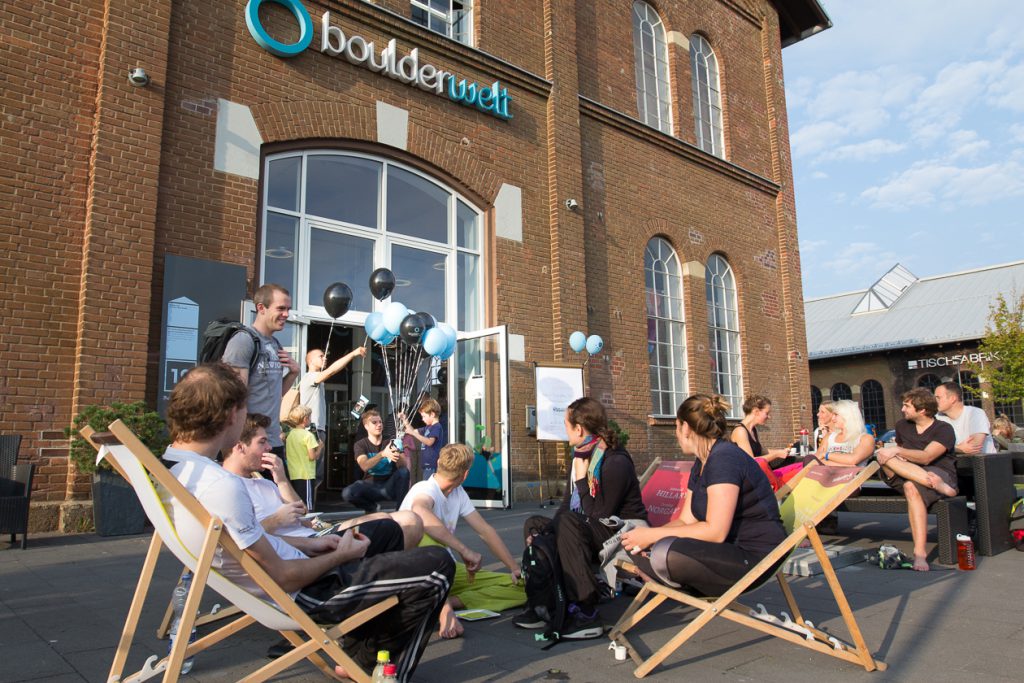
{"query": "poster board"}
(557, 387)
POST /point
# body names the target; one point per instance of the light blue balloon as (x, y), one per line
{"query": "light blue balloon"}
(448, 351)
(577, 341)
(394, 314)
(449, 332)
(385, 337)
(434, 342)
(594, 344)
(373, 320)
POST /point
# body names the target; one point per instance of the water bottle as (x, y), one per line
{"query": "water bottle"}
(180, 594)
(383, 660)
(390, 673)
(965, 552)
(804, 443)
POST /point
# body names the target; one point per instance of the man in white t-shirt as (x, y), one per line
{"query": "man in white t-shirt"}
(279, 508)
(973, 430)
(331, 577)
(440, 501)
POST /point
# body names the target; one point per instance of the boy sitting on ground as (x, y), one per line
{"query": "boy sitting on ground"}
(440, 501)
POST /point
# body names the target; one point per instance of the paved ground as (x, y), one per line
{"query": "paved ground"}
(63, 601)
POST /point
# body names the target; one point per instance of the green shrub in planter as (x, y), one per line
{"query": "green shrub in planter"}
(147, 425)
(116, 509)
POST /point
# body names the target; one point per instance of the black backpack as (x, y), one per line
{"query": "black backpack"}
(216, 337)
(545, 593)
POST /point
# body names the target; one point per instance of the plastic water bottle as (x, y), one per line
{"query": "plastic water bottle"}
(965, 552)
(390, 673)
(804, 443)
(383, 661)
(180, 594)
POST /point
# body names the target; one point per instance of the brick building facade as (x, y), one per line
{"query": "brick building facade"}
(105, 180)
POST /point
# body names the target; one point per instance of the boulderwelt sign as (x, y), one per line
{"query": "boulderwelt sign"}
(386, 60)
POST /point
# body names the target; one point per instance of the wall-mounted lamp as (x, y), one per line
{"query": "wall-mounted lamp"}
(572, 204)
(138, 77)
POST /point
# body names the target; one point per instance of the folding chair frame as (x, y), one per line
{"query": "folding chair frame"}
(726, 606)
(310, 640)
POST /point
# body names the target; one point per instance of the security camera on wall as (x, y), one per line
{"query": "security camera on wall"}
(138, 77)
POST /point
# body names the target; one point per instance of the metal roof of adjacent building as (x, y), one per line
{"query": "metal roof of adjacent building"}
(914, 312)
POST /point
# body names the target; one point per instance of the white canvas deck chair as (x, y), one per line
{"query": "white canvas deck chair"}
(146, 473)
(807, 499)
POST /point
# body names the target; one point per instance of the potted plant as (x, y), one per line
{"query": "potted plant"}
(116, 509)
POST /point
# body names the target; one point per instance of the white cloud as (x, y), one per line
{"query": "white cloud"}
(811, 246)
(957, 87)
(816, 137)
(1017, 132)
(858, 258)
(965, 144)
(868, 150)
(1008, 90)
(819, 175)
(930, 183)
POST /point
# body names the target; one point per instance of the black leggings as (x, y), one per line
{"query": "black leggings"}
(703, 567)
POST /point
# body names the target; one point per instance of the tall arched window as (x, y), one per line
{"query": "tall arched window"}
(331, 215)
(815, 401)
(707, 97)
(666, 330)
(653, 93)
(929, 382)
(872, 399)
(842, 392)
(724, 332)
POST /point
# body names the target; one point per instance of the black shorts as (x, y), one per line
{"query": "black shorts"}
(929, 496)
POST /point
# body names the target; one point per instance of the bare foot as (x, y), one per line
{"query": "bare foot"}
(450, 627)
(942, 487)
(921, 563)
(341, 673)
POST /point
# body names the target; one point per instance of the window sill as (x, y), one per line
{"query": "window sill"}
(661, 420)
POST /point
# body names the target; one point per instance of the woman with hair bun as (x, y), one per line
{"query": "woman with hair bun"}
(756, 412)
(730, 521)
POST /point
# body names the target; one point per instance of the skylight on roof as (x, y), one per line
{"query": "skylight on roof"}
(887, 291)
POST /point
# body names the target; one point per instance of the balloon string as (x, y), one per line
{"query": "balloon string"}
(327, 346)
(387, 374)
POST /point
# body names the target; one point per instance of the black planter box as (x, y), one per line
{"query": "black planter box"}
(116, 509)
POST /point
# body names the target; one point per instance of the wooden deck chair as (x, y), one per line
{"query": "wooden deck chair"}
(146, 473)
(806, 499)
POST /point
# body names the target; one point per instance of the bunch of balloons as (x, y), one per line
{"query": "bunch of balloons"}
(579, 341)
(406, 338)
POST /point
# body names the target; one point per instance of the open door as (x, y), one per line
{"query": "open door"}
(479, 417)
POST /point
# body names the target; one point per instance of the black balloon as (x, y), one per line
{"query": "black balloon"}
(337, 299)
(426, 320)
(411, 329)
(382, 283)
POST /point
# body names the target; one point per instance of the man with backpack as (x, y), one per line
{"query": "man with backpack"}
(259, 360)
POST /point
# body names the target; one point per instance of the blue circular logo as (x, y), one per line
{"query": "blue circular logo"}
(260, 35)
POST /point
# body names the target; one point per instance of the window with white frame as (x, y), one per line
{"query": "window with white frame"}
(330, 216)
(707, 97)
(447, 17)
(666, 329)
(724, 333)
(653, 94)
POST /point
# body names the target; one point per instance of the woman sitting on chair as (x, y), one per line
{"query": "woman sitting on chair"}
(730, 521)
(756, 412)
(848, 442)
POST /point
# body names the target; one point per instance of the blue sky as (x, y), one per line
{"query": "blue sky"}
(906, 123)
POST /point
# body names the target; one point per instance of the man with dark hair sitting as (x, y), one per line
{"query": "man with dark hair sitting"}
(330, 577)
(921, 464)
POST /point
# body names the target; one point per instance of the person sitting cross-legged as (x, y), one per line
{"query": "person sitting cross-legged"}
(386, 476)
(330, 577)
(440, 501)
(921, 464)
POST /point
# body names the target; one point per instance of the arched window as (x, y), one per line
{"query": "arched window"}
(929, 382)
(842, 392)
(666, 331)
(331, 215)
(707, 97)
(872, 399)
(724, 332)
(971, 388)
(653, 93)
(815, 401)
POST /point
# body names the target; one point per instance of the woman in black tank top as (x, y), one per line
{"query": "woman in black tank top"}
(756, 412)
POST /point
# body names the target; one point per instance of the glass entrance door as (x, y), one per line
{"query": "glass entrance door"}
(480, 415)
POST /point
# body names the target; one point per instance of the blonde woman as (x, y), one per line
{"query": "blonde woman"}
(847, 442)
(302, 449)
(824, 417)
